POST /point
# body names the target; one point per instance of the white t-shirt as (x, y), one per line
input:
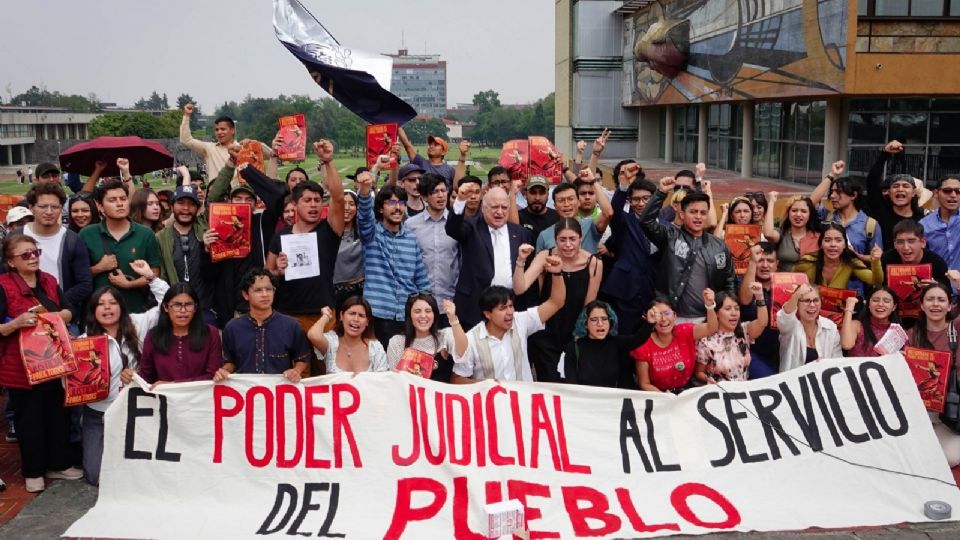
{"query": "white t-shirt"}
(501, 351)
(50, 248)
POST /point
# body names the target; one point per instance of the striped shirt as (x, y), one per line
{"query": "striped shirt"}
(392, 264)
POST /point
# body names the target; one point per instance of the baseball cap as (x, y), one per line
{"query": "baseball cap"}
(409, 168)
(185, 192)
(243, 187)
(359, 171)
(46, 168)
(538, 181)
(17, 213)
(443, 144)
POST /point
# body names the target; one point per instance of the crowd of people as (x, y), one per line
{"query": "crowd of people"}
(491, 278)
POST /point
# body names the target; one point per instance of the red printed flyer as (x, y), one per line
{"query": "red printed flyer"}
(91, 381)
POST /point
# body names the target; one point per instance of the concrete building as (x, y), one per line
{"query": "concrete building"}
(773, 88)
(421, 81)
(22, 127)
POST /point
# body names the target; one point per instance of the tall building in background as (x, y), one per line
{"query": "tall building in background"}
(421, 81)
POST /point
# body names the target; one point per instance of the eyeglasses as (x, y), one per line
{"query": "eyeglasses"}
(949, 190)
(666, 313)
(598, 320)
(639, 200)
(810, 301)
(31, 254)
(182, 306)
(395, 202)
(48, 207)
(900, 242)
(688, 189)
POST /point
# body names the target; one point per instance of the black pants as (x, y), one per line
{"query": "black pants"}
(43, 428)
(386, 329)
(543, 350)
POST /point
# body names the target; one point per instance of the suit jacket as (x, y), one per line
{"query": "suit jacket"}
(476, 269)
(632, 275)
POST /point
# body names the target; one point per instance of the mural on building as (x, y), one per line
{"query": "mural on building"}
(690, 51)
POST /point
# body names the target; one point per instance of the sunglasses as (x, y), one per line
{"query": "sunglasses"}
(31, 254)
(949, 190)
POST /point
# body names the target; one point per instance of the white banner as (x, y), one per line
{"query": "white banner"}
(387, 455)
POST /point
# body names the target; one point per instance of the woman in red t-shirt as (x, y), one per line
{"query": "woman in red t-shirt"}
(666, 362)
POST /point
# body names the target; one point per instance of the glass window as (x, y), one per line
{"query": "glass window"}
(911, 104)
(869, 104)
(943, 128)
(818, 118)
(892, 7)
(867, 128)
(926, 8)
(909, 128)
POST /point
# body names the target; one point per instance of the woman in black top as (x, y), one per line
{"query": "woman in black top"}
(597, 356)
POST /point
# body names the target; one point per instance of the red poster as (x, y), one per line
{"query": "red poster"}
(416, 362)
(6, 203)
(45, 348)
(832, 303)
(931, 370)
(232, 223)
(251, 153)
(782, 285)
(544, 159)
(293, 130)
(740, 238)
(380, 141)
(515, 157)
(91, 381)
(904, 280)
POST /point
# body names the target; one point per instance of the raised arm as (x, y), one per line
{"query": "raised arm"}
(709, 327)
(758, 325)
(606, 209)
(366, 217)
(558, 289)
(335, 217)
(649, 218)
(459, 336)
(461, 169)
(523, 279)
(219, 188)
(513, 214)
(598, 145)
(874, 180)
(316, 335)
(823, 188)
(91, 183)
(407, 145)
(722, 222)
(769, 231)
(851, 328)
(186, 136)
(874, 274)
(745, 293)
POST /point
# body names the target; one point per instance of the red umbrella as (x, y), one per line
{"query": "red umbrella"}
(144, 156)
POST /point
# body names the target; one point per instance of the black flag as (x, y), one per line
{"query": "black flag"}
(345, 74)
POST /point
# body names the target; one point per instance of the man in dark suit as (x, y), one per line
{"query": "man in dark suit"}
(488, 247)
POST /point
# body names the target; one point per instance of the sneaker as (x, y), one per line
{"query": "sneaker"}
(35, 485)
(11, 435)
(72, 473)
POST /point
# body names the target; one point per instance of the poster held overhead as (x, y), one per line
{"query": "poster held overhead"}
(293, 132)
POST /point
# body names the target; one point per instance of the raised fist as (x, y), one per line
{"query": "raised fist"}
(837, 168)
(188, 109)
(552, 264)
(667, 183)
(757, 289)
(524, 251)
(464, 147)
(581, 146)
(709, 297)
(893, 147)
(700, 170)
(324, 150)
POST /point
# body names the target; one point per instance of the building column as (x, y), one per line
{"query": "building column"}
(9, 155)
(746, 155)
(648, 133)
(668, 143)
(832, 134)
(703, 113)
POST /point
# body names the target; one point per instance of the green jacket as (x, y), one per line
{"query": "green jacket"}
(168, 272)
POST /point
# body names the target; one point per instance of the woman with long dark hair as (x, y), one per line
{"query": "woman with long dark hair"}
(725, 355)
(108, 316)
(666, 361)
(581, 273)
(422, 332)
(834, 264)
(145, 209)
(182, 347)
(738, 212)
(859, 335)
(799, 230)
(351, 345)
(41, 419)
(597, 356)
(758, 201)
(81, 211)
(348, 270)
(932, 331)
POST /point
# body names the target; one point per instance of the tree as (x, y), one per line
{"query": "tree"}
(419, 128)
(182, 100)
(41, 97)
(140, 124)
(154, 103)
(486, 100)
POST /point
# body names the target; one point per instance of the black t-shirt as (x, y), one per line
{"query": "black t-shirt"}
(308, 295)
(187, 261)
(537, 223)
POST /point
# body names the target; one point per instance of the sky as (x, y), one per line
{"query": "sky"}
(221, 50)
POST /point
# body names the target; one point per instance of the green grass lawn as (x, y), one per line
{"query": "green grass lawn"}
(347, 163)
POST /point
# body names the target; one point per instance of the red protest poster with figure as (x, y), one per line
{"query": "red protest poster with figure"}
(740, 238)
(251, 152)
(832, 303)
(232, 223)
(45, 348)
(905, 281)
(782, 285)
(416, 362)
(91, 381)
(931, 370)
(293, 132)
(515, 157)
(544, 159)
(380, 141)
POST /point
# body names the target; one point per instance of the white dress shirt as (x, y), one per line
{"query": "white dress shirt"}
(502, 274)
(501, 350)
